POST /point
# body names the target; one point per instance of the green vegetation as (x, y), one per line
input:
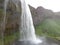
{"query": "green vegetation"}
(50, 28)
(1, 42)
(9, 39)
(1, 14)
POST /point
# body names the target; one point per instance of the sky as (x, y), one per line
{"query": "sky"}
(48, 4)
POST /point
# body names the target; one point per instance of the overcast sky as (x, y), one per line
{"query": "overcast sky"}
(48, 4)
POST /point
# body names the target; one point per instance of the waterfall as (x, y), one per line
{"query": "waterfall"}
(27, 30)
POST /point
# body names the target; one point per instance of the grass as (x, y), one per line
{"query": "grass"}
(1, 12)
(1, 42)
(9, 39)
(49, 27)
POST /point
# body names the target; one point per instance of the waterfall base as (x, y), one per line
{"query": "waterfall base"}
(46, 41)
(25, 43)
(32, 41)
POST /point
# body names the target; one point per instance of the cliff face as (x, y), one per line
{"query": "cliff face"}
(13, 16)
(40, 14)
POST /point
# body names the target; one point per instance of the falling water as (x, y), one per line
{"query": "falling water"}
(27, 31)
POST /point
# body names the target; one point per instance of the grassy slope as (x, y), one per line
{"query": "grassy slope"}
(49, 28)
